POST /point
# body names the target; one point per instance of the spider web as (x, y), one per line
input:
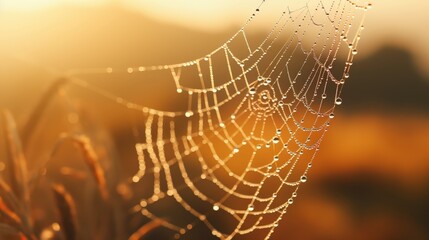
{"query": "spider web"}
(229, 164)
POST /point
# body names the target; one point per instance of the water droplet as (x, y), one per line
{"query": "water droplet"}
(179, 90)
(252, 91)
(338, 101)
(136, 179)
(189, 114)
(250, 207)
(331, 116)
(258, 146)
(269, 167)
(290, 201)
(236, 150)
(324, 96)
(56, 227)
(276, 158)
(274, 195)
(260, 78)
(215, 207)
(303, 178)
(215, 233)
(276, 140)
(278, 131)
(354, 52)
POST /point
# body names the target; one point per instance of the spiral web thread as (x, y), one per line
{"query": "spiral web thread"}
(233, 160)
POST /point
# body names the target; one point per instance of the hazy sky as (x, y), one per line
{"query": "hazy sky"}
(394, 22)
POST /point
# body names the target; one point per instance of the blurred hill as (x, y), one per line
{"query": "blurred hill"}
(36, 47)
(387, 81)
(64, 38)
(60, 39)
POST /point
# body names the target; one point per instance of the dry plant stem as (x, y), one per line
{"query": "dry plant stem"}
(39, 110)
(18, 194)
(8, 216)
(14, 200)
(11, 213)
(93, 163)
(9, 232)
(16, 160)
(145, 229)
(91, 160)
(89, 156)
(9, 199)
(67, 211)
(73, 173)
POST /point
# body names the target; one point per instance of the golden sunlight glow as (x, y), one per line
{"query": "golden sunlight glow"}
(193, 119)
(19, 5)
(390, 20)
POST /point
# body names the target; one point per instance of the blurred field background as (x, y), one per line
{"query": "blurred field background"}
(371, 177)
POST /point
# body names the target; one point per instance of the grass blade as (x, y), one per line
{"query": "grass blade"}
(9, 199)
(8, 232)
(67, 210)
(93, 163)
(145, 229)
(15, 161)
